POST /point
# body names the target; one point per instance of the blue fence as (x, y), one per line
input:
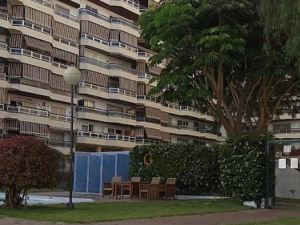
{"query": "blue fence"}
(92, 169)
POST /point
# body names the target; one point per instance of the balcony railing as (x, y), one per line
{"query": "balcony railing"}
(115, 20)
(141, 97)
(122, 92)
(285, 130)
(45, 30)
(143, 141)
(130, 2)
(111, 66)
(105, 136)
(106, 112)
(32, 54)
(36, 112)
(111, 43)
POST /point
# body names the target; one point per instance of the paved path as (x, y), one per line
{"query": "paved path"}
(208, 219)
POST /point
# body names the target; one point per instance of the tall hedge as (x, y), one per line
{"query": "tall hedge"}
(236, 168)
(243, 162)
(195, 167)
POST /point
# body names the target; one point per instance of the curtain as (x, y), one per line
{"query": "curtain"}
(36, 73)
(3, 95)
(38, 17)
(127, 84)
(141, 67)
(18, 11)
(64, 55)
(114, 108)
(95, 30)
(114, 35)
(139, 132)
(153, 133)
(33, 128)
(16, 41)
(58, 82)
(15, 69)
(128, 38)
(37, 44)
(95, 78)
(153, 112)
(65, 31)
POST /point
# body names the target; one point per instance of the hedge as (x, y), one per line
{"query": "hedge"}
(235, 168)
(195, 167)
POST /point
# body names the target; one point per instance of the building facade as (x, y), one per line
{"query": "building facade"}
(39, 39)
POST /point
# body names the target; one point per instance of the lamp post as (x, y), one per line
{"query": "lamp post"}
(72, 77)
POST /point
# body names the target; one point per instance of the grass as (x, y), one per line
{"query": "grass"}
(285, 221)
(96, 212)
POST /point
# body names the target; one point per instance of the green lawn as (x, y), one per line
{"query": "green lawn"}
(96, 212)
(286, 221)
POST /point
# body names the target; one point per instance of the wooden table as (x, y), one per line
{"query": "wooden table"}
(120, 186)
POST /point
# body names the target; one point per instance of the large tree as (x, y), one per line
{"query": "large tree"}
(219, 59)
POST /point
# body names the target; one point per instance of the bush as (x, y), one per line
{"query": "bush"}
(195, 167)
(243, 167)
(236, 168)
(26, 163)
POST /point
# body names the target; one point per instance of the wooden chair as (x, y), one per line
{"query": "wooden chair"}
(135, 186)
(170, 188)
(135, 181)
(150, 189)
(109, 186)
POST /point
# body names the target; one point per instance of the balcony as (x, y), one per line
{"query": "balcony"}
(112, 47)
(286, 133)
(105, 139)
(106, 115)
(45, 30)
(28, 114)
(112, 69)
(116, 23)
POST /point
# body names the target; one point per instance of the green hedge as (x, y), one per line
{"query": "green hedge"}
(243, 167)
(195, 167)
(235, 168)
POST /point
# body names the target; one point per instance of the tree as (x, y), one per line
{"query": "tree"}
(218, 59)
(26, 163)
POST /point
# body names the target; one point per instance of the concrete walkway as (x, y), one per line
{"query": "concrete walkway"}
(225, 218)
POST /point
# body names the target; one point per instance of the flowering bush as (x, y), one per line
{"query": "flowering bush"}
(26, 163)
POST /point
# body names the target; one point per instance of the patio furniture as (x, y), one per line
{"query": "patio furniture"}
(150, 190)
(110, 187)
(122, 186)
(170, 188)
(135, 185)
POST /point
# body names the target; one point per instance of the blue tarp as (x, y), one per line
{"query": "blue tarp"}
(91, 169)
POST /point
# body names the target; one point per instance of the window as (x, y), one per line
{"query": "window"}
(119, 132)
(86, 103)
(87, 128)
(16, 103)
(91, 9)
(182, 123)
(113, 82)
(62, 9)
(111, 131)
(282, 128)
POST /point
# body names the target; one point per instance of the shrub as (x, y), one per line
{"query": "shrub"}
(195, 167)
(26, 163)
(243, 167)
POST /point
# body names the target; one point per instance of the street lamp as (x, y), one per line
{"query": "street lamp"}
(72, 77)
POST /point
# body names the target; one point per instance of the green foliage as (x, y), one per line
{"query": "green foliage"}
(243, 167)
(26, 163)
(195, 167)
(236, 168)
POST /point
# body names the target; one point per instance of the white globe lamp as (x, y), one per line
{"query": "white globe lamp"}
(72, 75)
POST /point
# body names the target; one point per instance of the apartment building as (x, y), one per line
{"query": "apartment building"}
(39, 39)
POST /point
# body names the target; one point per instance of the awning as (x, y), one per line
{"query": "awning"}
(164, 117)
(93, 77)
(33, 128)
(165, 137)
(38, 44)
(153, 133)
(153, 113)
(154, 69)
